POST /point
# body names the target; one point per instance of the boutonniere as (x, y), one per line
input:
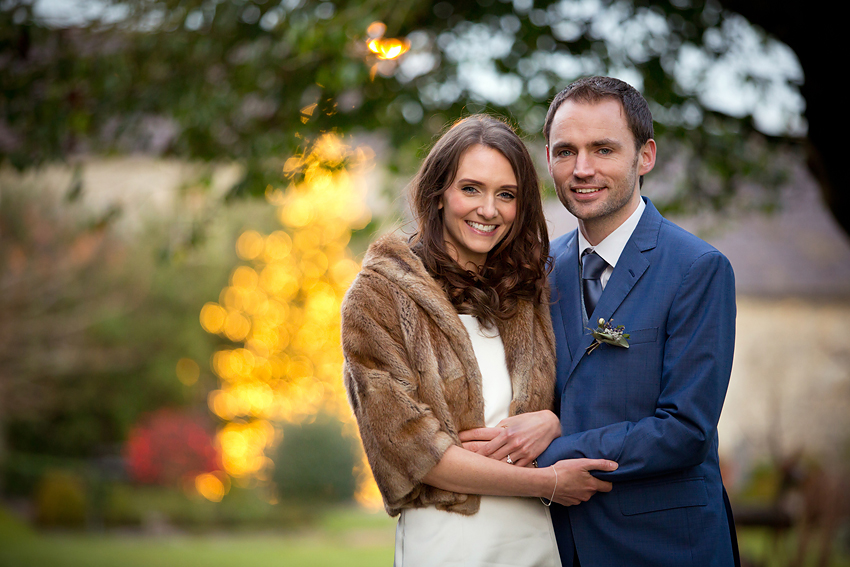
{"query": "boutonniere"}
(607, 333)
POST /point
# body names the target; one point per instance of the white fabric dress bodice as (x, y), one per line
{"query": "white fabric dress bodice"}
(506, 531)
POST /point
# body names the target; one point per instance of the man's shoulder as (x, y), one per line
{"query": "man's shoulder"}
(687, 244)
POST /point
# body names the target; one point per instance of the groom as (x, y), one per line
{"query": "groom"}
(652, 407)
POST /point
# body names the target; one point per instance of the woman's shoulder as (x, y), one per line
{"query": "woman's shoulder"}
(391, 256)
(391, 246)
(389, 263)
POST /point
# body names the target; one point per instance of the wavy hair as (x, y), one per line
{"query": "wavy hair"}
(516, 267)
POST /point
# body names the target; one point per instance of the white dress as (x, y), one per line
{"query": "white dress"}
(506, 531)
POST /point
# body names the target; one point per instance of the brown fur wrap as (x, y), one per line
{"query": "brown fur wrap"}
(412, 377)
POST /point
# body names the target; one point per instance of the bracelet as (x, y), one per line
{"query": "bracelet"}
(554, 489)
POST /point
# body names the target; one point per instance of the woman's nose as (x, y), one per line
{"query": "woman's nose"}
(488, 208)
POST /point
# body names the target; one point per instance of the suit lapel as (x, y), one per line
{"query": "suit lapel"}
(630, 267)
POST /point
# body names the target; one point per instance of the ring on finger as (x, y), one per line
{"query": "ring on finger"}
(510, 461)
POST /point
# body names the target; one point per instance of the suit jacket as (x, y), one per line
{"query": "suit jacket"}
(653, 407)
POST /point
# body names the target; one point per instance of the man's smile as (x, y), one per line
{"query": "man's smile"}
(586, 190)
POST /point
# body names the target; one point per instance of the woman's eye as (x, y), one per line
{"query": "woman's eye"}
(468, 189)
(507, 195)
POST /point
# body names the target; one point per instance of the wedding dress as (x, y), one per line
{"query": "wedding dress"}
(506, 531)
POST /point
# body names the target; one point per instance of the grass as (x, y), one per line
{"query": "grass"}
(346, 536)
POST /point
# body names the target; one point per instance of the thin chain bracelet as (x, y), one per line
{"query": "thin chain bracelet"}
(554, 489)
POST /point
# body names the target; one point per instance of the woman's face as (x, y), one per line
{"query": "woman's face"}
(479, 206)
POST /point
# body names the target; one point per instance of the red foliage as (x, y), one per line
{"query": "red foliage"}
(169, 446)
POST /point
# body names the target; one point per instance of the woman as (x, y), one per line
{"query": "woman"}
(451, 332)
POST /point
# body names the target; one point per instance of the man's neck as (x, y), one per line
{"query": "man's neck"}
(596, 230)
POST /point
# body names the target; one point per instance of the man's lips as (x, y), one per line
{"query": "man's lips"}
(586, 190)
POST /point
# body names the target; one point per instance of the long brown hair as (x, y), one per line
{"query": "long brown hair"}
(516, 267)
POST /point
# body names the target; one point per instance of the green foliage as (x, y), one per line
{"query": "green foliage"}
(107, 318)
(256, 81)
(314, 462)
(61, 500)
(241, 509)
(12, 528)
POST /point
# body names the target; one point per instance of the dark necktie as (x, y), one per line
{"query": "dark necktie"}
(592, 266)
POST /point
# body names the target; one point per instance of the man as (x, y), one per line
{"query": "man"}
(652, 407)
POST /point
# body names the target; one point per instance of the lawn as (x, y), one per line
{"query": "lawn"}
(349, 537)
(345, 536)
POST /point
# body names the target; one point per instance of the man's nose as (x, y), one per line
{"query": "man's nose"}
(583, 165)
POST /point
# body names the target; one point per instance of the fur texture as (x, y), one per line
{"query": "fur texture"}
(412, 377)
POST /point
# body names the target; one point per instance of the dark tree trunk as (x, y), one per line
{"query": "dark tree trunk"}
(812, 31)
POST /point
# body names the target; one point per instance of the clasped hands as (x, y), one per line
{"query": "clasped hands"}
(524, 437)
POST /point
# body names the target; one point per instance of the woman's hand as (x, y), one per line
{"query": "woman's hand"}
(523, 437)
(576, 484)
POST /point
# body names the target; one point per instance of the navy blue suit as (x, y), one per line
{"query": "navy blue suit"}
(653, 408)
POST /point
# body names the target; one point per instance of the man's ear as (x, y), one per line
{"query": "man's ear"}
(647, 157)
(548, 161)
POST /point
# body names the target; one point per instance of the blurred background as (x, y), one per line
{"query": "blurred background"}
(187, 188)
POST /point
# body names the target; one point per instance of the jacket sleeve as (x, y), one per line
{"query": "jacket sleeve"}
(697, 362)
(402, 438)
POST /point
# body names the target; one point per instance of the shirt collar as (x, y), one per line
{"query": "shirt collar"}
(612, 246)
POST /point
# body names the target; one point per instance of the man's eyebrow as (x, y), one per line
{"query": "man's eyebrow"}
(594, 144)
(607, 142)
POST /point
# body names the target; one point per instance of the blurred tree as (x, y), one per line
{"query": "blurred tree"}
(95, 329)
(250, 80)
(314, 462)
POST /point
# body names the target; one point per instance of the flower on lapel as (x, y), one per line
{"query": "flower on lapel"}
(607, 333)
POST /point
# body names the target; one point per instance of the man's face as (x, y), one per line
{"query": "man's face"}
(594, 163)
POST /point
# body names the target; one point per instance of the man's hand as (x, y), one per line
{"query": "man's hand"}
(523, 437)
(576, 484)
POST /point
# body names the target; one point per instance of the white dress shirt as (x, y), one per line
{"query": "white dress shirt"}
(612, 245)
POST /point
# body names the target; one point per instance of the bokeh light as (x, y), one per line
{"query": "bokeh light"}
(283, 306)
(187, 371)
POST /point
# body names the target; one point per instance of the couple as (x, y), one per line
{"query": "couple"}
(451, 341)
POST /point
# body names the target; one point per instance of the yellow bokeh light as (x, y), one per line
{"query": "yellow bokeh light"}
(388, 48)
(212, 486)
(212, 317)
(188, 371)
(282, 309)
(244, 277)
(236, 326)
(249, 245)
